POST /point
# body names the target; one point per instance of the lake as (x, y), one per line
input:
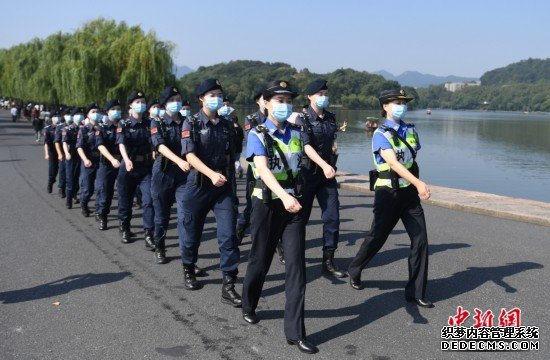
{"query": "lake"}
(501, 153)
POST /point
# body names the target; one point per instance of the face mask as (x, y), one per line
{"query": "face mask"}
(321, 102)
(155, 111)
(86, 122)
(105, 119)
(398, 111)
(185, 112)
(115, 114)
(95, 117)
(78, 119)
(214, 103)
(173, 106)
(162, 112)
(139, 108)
(224, 110)
(68, 118)
(281, 112)
(55, 120)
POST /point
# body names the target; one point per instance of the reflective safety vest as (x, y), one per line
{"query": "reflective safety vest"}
(293, 152)
(402, 152)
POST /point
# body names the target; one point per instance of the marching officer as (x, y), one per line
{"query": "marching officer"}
(58, 119)
(169, 170)
(69, 137)
(153, 109)
(134, 141)
(50, 154)
(397, 193)
(207, 145)
(318, 169)
(274, 151)
(250, 122)
(109, 162)
(87, 150)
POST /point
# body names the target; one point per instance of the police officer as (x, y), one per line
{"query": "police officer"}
(250, 122)
(134, 141)
(50, 154)
(58, 119)
(109, 162)
(89, 154)
(318, 169)
(207, 145)
(153, 109)
(69, 138)
(396, 196)
(169, 170)
(185, 109)
(274, 151)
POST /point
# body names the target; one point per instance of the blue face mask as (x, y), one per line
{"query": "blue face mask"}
(154, 111)
(321, 102)
(213, 103)
(115, 114)
(68, 119)
(398, 111)
(139, 108)
(56, 120)
(224, 110)
(281, 112)
(78, 119)
(174, 106)
(162, 112)
(95, 116)
(185, 112)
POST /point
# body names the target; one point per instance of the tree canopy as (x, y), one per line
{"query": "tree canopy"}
(100, 61)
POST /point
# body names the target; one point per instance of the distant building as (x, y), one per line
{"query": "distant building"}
(454, 86)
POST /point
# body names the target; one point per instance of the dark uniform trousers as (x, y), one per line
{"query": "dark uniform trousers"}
(326, 191)
(127, 183)
(244, 219)
(62, 169)
(390, 206)
(106, 178)
(53, 167)
(88, 176)
(167, 187)
(268, 224)
(198, 202)
(72, 171)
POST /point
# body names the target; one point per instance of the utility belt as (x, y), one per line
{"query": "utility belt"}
(165, 163)
(141, 158)
(106, 161)
(291, 186)
(332, 159)
(374, 175)
(203, 182)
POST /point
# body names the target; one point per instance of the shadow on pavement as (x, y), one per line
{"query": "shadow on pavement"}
(59, 287)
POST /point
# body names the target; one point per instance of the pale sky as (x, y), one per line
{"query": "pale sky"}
(464, 37)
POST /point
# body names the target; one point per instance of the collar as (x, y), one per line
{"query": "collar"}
(134, 121)
(314, 116)
(274, 131)
(393, 124)
(205, 119)
(168, 120)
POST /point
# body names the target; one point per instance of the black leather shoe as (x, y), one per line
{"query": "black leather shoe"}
(229, 295)
(160, 251)
(240, 234)
(425, 303)
(189, 279)
(304, 346)
(355, 283)
(329, 267)
(85, 210)
(76, 200)
(199, 272)
(62, 193)
(281, 253)
(149, 239)
(125, 233)
(49, 188)
(102, 223)
(251, 317)
(68, 203)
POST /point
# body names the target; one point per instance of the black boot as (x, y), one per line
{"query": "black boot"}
(50, 187)
(69, 202)
(189, 279)
(328, 264)
(76, 199)
(125, 232)
(229, 295)
(281, 252)
(240, 234)
(149, 244)
(138, 202)
(85, 210)
(102, 224)
(62, 193)
(160, 251)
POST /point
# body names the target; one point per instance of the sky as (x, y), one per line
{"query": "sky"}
(462, 37)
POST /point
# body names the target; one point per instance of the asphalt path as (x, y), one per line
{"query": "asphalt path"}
(70, 291)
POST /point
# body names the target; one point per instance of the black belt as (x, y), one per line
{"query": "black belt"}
(285, 184)
(141, 158)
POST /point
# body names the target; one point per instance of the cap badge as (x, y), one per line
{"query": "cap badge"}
(218, 82)
(175, 90)
(282, 84)
(402, 92)
(139, 94)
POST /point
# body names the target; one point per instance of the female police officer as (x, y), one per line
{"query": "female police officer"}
(134, 141)
(169, 170)
(207, 144)
(109, 162)
(274, 152)
(394, 147)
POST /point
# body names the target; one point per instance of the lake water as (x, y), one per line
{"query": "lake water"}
(494, 152)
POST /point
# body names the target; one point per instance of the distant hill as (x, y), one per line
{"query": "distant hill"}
(530, 71)
(419, 80)
(183, 70)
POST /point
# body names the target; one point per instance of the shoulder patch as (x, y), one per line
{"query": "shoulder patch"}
(119, 129)
(247, 127)
(154, 130)
(185, 133)
(96, 132)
